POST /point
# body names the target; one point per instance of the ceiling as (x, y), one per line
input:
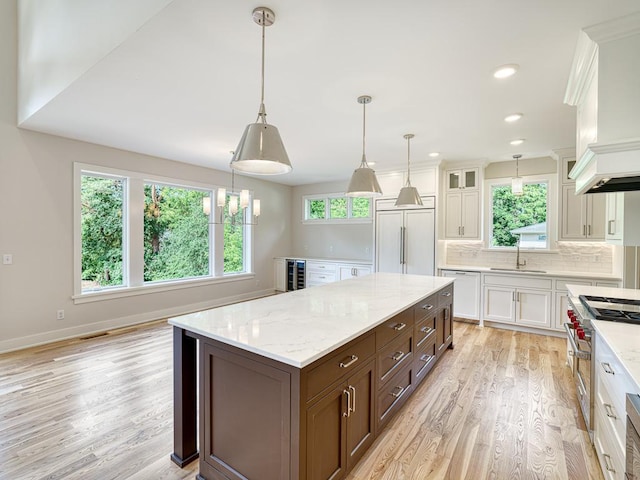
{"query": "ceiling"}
(180, 79)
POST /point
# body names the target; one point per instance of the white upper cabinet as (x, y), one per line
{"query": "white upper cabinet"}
(424, 179)
(462, 179)
(583, 216)
(623, 219)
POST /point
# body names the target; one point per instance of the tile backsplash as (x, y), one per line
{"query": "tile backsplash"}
(588, 257)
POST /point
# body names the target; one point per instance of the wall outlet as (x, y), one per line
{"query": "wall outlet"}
(7, 259)
(60, 314)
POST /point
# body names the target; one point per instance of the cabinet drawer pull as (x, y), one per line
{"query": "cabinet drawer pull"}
(426, 330)
(353, 398)
(348, 412)
(399, 392)
(427, 306)
(426, 358)
(610, 230)
(352, 359)
(446, 294)
(399, 326)
(609, 411)
(607, 463)
(397, 356)
(607, 368)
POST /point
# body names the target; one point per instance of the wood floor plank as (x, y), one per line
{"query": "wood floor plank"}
(501, 405)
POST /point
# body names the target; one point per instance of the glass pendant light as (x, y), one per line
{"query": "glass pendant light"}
(261, 151)
(517, 187)
(408, 196)
(363, 181)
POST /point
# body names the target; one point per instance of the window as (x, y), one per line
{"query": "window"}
(520, 217)
(336, 208)
(133, 231)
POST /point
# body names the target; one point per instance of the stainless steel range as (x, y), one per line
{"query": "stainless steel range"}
(579, 332)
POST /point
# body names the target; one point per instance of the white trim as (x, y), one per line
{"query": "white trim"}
(583, 70)
(98, 327)
(615, 29)
(326, 197)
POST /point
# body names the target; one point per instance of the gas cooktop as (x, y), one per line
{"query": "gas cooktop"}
(612, 309)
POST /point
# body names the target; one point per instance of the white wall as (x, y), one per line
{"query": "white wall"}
(36, 173)
(349, 241)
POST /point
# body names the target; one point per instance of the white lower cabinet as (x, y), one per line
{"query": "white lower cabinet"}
(280, 272)
(466, 293)
(609, 429)
(350, 271)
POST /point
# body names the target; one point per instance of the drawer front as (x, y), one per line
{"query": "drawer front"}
(425, 359)
(394, 327)
(611, 375)
(339, 364)
(615, 419)
(393, 357)
(610, 457)
(315, 278)
(319, 267)
(561, 283)
(518, 280)
(393, 396)
(425, 307)
(425, 330)
(445, 296)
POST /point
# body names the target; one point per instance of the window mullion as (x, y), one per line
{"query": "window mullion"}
(134, 233)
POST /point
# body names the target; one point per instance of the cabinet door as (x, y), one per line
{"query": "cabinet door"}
(388, 234)
(466, 294)
(574, 223)
(327, 435)
(454, 179)
(499, 304)
(596, 210)
(419, 238)
(443, 329)
(533, 307)
(424, 180)
(560, 315)
(470, 214)
(614, 206)
(470, 178)
(361, 419)
(280, 272)
(453, 218)
(350, 271)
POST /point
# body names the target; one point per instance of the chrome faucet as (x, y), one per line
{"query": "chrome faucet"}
(524, 262)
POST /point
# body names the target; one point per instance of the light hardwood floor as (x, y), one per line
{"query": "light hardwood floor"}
(501, 405)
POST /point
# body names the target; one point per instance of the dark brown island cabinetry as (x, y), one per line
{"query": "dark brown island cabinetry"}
(262, 419)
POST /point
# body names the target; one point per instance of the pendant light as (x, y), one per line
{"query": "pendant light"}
(516, 182)
(235, 203)
(261, 151)
(363, 181)
(408, 196)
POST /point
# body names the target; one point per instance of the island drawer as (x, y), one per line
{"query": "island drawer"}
(425, 359)
(339, 364)
(393, 357)
(425, 307)
(394, 327)
(425, 329)
(445, 296)
(394, 394)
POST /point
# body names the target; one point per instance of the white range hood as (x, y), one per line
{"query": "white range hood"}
(604, 85)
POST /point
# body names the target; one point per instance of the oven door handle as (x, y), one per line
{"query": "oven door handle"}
(585, 355)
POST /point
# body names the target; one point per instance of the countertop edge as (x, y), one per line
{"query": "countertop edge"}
(548, 273)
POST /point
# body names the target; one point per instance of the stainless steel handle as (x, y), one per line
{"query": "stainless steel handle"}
(513, 295)
(608, 409)
(589, 230)
(401, 246)
(460, 273)
(399, 326)
(607, 368)
(321, 266)
(322, 276)
(426, 330)
(584, 354)
(584, 229)
(398, 393)
(459, 230)
(397, 356)
(607, 465)
(427, 306)
(446, 294)
(404, 246)
(463, 230)
(352, 359)
(426, 358)
(610, 231)
(348, 412)
(353, 399)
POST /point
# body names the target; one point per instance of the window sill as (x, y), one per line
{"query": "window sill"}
(123, 292)
(338, 221)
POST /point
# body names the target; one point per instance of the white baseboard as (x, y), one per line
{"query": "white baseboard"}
(20, 343)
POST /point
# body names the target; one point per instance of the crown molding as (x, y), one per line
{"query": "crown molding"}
(615, 29)
(583, 69)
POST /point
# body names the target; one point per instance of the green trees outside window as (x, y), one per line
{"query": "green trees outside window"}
(338, 208)
(512, 212)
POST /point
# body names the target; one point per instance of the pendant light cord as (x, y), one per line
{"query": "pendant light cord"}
(364, 129)
(263, 112)
(408, 161)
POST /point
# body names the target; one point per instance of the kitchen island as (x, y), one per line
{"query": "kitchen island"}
(298, 385)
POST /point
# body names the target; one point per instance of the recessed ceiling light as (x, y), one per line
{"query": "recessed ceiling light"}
(434, 154)
(518, 141)
(505, 71)
(514, 117)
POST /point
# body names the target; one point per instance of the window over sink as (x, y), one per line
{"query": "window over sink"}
(336, 208)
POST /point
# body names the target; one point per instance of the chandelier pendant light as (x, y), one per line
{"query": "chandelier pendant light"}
(229, 204)
(517, 187)
(261, 151)
(408, 196)
(363, 181)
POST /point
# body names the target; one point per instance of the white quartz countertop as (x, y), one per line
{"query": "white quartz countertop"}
(546, 273)
(622, 338)
(302, 326)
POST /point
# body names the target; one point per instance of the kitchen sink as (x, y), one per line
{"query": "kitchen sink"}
(523, 270)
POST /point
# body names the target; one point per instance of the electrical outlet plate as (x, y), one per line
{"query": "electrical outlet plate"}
(7, 259)
(60, 314)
